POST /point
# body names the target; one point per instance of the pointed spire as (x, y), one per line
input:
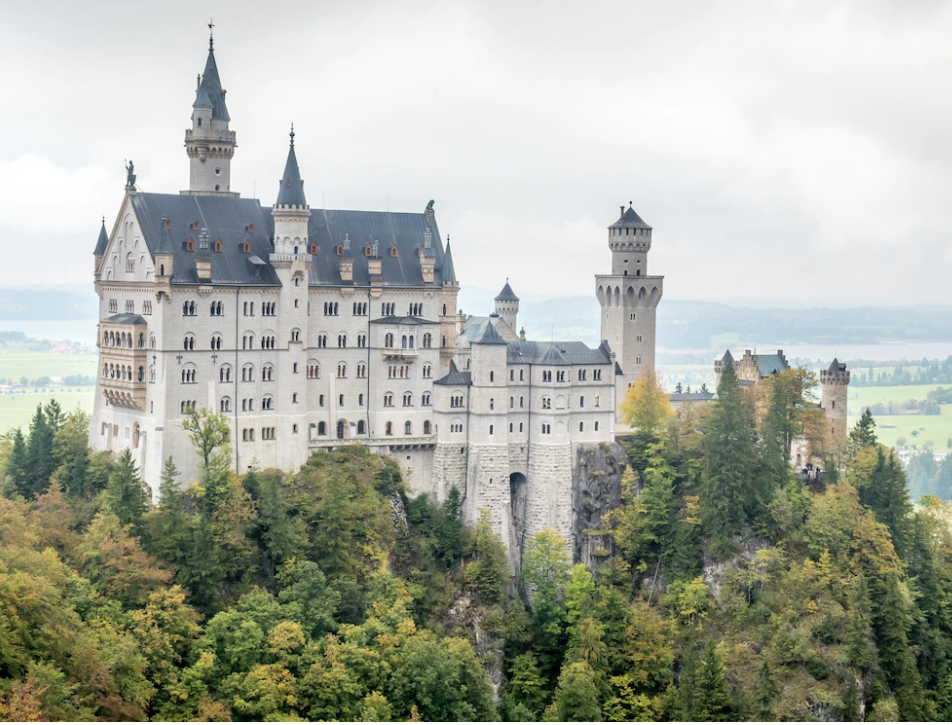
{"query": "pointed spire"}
(210, 93)
(507, 295)
(449, 273)
(165, 238)
(291, 187)
(103, 241)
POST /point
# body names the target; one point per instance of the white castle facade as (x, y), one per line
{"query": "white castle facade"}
(312, 328)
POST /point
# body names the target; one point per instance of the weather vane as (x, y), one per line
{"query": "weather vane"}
(211, 34)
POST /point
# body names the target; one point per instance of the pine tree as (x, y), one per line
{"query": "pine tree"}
(712, 698)
(167, 525)
(885, 492)
(40, 461)
(898, 660)
(863, 433)
(728, 464)
(767, 693)
(126, 495)
(15, 466)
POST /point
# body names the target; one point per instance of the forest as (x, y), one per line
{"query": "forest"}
(730, 587)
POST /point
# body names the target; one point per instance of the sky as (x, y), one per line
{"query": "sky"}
(791, 152)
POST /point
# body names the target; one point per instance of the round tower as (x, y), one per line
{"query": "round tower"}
(835, 381)
(209, 143)
(507, 306)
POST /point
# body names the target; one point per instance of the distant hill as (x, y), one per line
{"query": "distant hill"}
(66, 302)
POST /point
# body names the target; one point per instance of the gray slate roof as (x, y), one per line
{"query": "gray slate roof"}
(455, 377)
(230, 219)
(630, 220)
(507, 295)
(225, 218)
(728, 358)
(690, 397)
(397, 320)
(103, 240)
(291, 187)
(837, 367)
(767, 365)
(555, 353)
(406, 230)
(210, 93)
(126, 318)
(488, 336)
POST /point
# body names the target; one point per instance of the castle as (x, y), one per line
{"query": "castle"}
(834, 387)
(311, 328)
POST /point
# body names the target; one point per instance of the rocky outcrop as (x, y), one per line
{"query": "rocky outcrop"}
(596, 490)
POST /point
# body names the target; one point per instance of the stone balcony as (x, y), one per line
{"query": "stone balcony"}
(400, 353)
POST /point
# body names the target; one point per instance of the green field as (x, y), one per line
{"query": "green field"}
(934, 428)
(17, 410)
(16, 364)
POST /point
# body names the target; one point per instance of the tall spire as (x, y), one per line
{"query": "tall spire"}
(449, 273)
(291, 189)
(210, 93)
(103, 240)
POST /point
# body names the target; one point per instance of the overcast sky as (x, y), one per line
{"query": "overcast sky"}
(791, 151)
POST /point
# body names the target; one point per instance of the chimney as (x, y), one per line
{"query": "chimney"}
(621, 211)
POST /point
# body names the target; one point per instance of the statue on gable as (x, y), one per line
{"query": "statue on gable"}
(130, 177)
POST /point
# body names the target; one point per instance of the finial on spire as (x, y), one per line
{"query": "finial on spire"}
(211, 34)
(630, 204)
(104, 221)
(292, 134)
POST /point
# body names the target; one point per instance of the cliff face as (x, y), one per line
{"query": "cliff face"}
(596, 489)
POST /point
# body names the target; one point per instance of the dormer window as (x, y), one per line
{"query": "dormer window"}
(190, 245)
(195, 226)
(340, 249)
(312, 248)
(246, 247)
(368, 251)
(393, 251)
(250, 228)
(218, 245)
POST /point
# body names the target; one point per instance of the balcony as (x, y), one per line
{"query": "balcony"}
(124, 393)
(400, 353)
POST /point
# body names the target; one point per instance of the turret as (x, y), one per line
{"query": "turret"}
(629, 239)
(833, 398)
(448, 299)
(101, 244)
(291, 212)
(507, 306)
(209, 143)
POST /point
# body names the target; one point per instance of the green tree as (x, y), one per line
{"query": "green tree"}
(126, 496)
(863, 433)
(545, 571)
(729, 462)
(40, 462)
(892, 623)
(577, 698)
(884, 491)
(712, 700)
(487, 570)
(16, 464)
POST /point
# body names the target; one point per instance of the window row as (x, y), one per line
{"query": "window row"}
(112, 306)
(425, 400)
(123, 372)
(111, 338)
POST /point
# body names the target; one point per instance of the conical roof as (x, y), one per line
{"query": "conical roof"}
(629, 219)
(291, 189)
(488, 335)
(507, 295)
(449, 273)
(210, 93)
(103, 240)
(728, 358)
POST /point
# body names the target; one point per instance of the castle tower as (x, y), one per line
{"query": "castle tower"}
(507, 306)
(209, 143)
(833, 399)
(629, 297)
(448, 314)
(291, 261)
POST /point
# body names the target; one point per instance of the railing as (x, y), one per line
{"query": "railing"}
(400, 352)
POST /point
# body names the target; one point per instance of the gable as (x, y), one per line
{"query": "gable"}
(127, 257)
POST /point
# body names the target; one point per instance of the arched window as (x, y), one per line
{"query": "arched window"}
(341, 370)
(388, 340)
(322, 428)
(426, 428)
(189, 343)
(492, 376)
(408, 428)
(427, 340)
(492, 404)
(135, 436)
(248, 373)
(407, 400)
(361, 428)
(581, 401)
(267, 403)
(596, 426)
(224, 405)
(490, 430)
(295, 335)
(388, 429)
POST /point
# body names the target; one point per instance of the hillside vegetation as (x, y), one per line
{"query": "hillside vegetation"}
(730, 589)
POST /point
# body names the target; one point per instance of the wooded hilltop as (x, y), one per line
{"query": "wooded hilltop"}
(732, 589)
